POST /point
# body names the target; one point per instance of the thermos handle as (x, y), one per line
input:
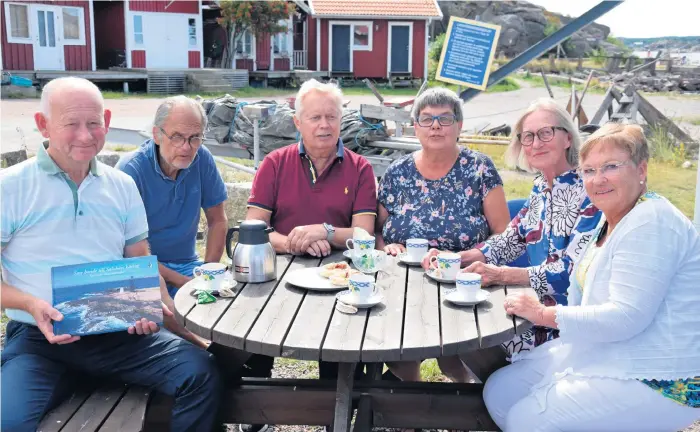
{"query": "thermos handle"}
(229, 237)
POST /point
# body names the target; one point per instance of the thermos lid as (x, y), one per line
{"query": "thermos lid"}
(253, 232)
(252, 225)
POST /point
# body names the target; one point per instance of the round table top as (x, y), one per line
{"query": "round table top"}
(413, 322)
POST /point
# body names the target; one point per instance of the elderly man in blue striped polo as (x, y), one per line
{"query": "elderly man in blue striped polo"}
(64, 207)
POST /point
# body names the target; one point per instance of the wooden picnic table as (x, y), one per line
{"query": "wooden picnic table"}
(413, 322)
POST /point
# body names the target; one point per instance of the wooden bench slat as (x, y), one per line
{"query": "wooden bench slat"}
(57, 418)
(95, 410)
(130, 414)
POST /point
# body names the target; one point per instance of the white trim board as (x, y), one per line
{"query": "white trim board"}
(318, 23)
(92, 36)
(410, 46)
(375, 17)
(427, 47)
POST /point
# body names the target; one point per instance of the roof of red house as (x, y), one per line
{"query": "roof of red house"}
(419, 9)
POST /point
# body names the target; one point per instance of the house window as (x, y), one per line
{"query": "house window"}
(73, 26)
(362, 36)
(138, 29)
(17, 23)
(245, 43)
(279, 43)
(192, 32)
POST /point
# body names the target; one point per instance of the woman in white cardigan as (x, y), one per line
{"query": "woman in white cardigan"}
(628, 356)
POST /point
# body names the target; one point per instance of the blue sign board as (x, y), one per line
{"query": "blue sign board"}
(467, 53)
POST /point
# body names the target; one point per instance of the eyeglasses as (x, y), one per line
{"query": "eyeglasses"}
(178, 140)
(608, 169)
(545, 134)
(443, 120)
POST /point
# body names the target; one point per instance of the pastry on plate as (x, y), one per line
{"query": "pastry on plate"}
(329, 270)
(341, 278)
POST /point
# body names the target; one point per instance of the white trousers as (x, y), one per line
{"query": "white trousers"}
(519, 400)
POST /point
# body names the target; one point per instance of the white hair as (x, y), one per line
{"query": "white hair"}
(72, 83)
(313, 85)
(515, 155)
(166, 107)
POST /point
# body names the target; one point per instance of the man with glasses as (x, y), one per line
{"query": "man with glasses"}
(177, 178)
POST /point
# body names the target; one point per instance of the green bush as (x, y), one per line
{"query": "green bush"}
(435, 49)
(663, 147)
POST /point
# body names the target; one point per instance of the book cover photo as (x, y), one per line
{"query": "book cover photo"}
(106, 297)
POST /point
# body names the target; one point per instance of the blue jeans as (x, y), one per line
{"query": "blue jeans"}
(184, 269)
(36, 375)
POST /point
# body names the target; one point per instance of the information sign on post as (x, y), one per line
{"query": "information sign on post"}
(467, 53)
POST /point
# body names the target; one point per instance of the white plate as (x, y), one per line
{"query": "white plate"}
(456, 298)
(404, 258)
(310, 278)
(431, 274)
(347, 298)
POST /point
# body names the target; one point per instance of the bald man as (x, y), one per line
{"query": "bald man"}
(64, 207)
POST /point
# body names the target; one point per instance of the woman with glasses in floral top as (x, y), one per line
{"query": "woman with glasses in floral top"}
(451, 196)
(555, 218)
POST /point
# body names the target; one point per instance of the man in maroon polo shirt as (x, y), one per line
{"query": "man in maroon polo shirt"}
(315, 192)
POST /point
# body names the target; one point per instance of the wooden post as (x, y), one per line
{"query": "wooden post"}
(579, 65)
(669, 68)
(546, 84)
(630, 63)
(552, 63)
(343, 397)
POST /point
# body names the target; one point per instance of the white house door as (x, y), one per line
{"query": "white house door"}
(166, 37)
(48, 38)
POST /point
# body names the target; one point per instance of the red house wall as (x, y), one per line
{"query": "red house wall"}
(138, 59)
(244, 64)
(372, 64)
(262, 51)
(311, 24)
(21, 56)
(281, 64)
(190, 7)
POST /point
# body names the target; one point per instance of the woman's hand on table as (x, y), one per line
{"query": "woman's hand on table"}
(394, 249)
(490, 274)
(525, 306)
(425, 263)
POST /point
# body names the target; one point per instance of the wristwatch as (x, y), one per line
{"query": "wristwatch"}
(330, 231)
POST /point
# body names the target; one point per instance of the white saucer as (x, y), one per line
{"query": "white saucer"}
(348, 298)
(431, 274)
(456, 298)
(406, 260)
(347, 254)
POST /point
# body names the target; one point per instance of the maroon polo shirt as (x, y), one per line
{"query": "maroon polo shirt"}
(288, 186)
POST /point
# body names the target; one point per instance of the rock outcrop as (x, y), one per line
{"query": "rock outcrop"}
(523, 24)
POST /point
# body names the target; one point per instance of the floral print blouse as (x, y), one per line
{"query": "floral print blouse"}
(552, 228)
(448, 212)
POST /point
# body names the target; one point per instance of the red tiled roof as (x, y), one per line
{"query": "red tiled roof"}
(376, 8)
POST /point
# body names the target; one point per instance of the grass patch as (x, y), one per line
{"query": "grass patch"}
(695, 121)
(122, 148)
(536, 80)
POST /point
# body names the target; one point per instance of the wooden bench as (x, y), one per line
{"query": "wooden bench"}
(110, 408)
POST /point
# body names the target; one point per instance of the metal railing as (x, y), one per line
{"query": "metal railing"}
(300, 59)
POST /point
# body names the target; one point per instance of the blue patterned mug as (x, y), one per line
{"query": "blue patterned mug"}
(212, 274)
(416, 249)
(362, 286)
(468, 284)
(448, 264)
(360, 247)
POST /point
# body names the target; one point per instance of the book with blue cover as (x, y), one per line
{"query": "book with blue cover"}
(106, 297)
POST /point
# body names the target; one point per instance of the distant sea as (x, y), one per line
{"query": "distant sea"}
(693, 58)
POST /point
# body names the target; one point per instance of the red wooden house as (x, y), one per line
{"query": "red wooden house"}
(87, 35)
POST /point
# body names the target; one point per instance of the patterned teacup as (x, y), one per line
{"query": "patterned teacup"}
(212, 274)
(468, 284)
(447, 265)
(360, 246)
(362, 287)
(416, 249)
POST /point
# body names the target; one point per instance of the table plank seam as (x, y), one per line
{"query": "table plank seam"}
(439, 293)
(211, 328)
(478, 328)
(403, 320)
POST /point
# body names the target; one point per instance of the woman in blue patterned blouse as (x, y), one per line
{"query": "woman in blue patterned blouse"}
(451, 196)
(556, 218)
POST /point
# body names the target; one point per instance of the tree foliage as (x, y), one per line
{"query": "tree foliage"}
(260, 17)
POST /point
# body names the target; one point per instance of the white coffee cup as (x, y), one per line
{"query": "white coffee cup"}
(468, 284)
(448, 264)
(362, 286)
(360, 246)
(416, 249)
(212, 274)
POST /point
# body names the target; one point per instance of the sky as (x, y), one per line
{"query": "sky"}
(638, 18)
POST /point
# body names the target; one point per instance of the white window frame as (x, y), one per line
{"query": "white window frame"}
(369, 25)
(241, 39)
(81, 27)
(8, 28)
(196, 33)
(133, 31)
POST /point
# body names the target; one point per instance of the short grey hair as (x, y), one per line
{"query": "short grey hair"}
(166, 107)
(73, 83)
(438, 96)
(314, 85)
(515, 156)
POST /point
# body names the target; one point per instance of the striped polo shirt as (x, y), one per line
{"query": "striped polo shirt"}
(48, 221)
